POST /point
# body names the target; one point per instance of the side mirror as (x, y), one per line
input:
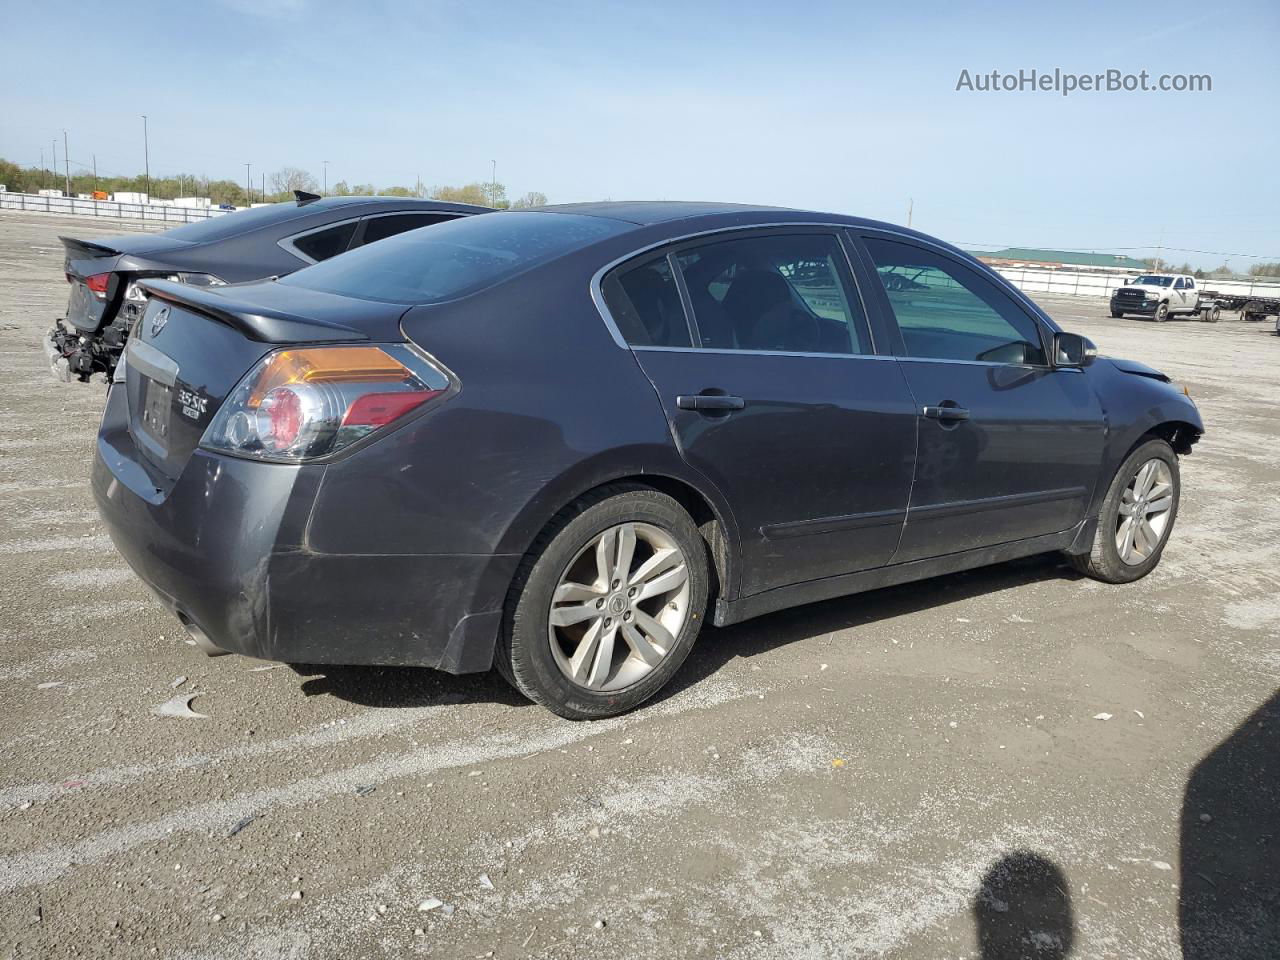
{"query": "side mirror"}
(1073, 350)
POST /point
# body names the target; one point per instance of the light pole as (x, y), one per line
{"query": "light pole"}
(493, 190)
(248, 197)
(146, 156)
(66, 160)
(326, 176)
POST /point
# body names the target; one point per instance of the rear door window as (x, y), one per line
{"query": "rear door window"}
(783, 293)
(645, 304)
(329, 242)
(948, 311)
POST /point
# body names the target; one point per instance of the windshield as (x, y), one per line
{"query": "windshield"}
(1154, 281)
(451, 259)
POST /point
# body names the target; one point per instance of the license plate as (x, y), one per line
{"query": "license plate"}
(157, 401)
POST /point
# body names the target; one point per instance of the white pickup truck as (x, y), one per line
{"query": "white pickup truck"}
(1160, 296)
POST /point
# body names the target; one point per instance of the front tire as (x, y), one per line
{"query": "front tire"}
(1136, 518)
(1117, 314)
(606, 605)
(1161, 314)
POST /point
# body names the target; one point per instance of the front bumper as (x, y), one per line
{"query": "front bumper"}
(1129, 306)
(225, 548)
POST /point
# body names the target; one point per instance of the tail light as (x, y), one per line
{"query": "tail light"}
(299, 404)
(97, 284)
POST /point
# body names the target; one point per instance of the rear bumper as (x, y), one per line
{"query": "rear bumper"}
(225, 548)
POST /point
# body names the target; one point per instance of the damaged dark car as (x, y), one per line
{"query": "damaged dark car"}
(104, 273)
(559, 442)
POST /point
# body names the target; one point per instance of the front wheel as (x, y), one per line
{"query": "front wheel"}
(607, 604)
(1162, 313)
(1117, 314)
(1136, 517)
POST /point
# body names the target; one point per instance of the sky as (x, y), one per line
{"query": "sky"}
(847, 107)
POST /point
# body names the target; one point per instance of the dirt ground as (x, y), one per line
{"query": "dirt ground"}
(1013, 762)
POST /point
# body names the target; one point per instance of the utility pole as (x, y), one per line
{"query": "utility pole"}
(248, 199)
(264, 186)
(43, 182)
(493, 191)
(146, 156)
(911, 205)
(95, 173)
(54, 178)
(326, 177)
(66, 160)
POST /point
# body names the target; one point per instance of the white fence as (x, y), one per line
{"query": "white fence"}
(73, 206)
(1081, 284)
(1030, 280)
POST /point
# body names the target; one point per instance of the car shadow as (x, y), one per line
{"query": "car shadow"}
(405, 686)
(1023, 909)
(420, 686)
(717, 647)
(1229, 894)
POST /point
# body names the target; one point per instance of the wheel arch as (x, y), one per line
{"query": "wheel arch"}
(695, 494)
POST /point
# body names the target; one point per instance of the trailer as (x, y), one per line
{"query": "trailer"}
(1252, 308)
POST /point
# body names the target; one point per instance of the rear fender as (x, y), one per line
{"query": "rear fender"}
(657, 466)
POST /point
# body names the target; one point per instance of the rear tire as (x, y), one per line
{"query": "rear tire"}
(1105, 560)
(575, 568)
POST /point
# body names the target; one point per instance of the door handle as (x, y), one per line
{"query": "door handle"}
(947, 410)
(710, 401)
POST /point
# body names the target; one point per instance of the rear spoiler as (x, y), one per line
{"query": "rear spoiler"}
(86, 249)
(253, 320)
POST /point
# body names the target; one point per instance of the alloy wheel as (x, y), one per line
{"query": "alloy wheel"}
(619, 607)
(1145, 508)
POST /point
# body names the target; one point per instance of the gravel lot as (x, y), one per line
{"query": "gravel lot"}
(916, 772)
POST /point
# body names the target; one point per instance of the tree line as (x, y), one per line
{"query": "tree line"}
(278, 186)
(1158, 265)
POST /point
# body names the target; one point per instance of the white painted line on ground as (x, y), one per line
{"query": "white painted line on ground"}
(46, 864)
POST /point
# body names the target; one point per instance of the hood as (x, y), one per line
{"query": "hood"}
(1145, 288)
(1138, 369)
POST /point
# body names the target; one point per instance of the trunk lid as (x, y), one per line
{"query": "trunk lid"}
(193, 345)
(86, 310)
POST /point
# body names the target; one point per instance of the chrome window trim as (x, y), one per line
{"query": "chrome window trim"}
(287, 243)
(764, 353)
(978, 363)
(597, 293)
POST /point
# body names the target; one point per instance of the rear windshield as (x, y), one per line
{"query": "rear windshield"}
(453, 259)
(242, 221)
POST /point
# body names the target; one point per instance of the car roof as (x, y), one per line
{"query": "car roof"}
(328, 203)
(653, 213)
(650, 212)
